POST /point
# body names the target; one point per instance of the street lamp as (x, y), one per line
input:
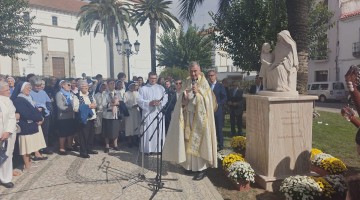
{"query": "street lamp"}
(128, 51)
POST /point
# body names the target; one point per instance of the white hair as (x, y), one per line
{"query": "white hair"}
(81, 83)
(35, 80)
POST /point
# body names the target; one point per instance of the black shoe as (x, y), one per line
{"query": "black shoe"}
(116, 148)
(46, 151)
(106, 150)
(63, 153)
(188, 172)
(39, 158)
(84, 156)
(200, 176)
(92, 152)
(7, 185)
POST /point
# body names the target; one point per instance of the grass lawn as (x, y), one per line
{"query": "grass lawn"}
(331, 133)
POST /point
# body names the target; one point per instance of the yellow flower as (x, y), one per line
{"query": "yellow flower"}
(230, 159)
(314, 152)
(238, 143)
(333, 165)
(326, 187)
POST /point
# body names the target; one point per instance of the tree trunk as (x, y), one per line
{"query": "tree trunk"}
(111, 52)
(153, 44)
(298, 14)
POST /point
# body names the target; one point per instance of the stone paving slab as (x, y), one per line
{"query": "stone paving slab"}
(103, 176)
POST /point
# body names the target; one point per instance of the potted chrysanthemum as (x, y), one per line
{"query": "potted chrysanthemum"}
(338, 184)
(300, 187)
(238, 143)
(241, 173)
(325, 164)
(230, 159)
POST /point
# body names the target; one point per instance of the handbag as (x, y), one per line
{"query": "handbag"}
(3, 149)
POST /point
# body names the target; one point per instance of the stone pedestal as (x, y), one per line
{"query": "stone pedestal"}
(279, 137)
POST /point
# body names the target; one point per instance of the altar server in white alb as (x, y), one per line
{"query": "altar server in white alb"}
(7, 132)
(151, 99)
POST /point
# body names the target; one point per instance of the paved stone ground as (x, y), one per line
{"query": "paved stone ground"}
(103, 176)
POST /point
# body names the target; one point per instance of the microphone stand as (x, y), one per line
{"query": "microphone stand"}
(141, 176)
(158, 184)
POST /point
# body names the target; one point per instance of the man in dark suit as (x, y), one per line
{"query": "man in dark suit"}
(254, 89)
(221, 99)
(170, 105)
(236, 107)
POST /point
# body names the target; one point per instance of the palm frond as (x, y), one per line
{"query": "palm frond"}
(188, 9)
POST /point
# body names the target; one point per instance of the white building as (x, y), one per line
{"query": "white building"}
(62, 52)
(344, 46)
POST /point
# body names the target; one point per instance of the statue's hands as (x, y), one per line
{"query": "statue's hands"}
(347, 112)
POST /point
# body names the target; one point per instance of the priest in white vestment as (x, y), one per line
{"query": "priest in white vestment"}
(192, 139)
(152, 99)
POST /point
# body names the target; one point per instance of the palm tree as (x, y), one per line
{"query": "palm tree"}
(298, 14)
(107, 16)
(156, 11)
(188, 8)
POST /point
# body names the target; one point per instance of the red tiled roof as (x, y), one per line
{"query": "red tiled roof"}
(351, 14)
(72, 6)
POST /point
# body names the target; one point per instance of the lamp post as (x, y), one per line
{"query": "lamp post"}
(128, 51)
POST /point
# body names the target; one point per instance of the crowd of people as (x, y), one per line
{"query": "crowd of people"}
(43, 116)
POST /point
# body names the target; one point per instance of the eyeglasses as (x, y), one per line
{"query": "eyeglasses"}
(178, 83)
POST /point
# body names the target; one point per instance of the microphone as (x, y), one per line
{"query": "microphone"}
(193, 82)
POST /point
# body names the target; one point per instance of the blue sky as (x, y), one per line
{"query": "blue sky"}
(201, 16)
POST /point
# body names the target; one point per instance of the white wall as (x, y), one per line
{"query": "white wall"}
(5, 65)
(349, 34)
(332, 34)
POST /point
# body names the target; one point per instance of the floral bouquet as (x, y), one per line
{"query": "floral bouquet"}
(223, 153)
(238, 143)
(315, 152)
(241, 170)
(329, 163)
(316, 159)
(327, 189)
(230, 159)
(300, 188)
(338, 183)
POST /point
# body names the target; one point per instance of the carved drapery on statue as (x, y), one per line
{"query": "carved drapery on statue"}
(281, 75)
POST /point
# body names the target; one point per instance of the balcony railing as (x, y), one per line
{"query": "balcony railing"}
(356, 49)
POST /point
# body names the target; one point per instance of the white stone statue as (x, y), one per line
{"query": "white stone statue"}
(266, 60)
(281, 75)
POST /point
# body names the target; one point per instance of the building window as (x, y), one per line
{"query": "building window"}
(54, 21)
(321, 76)
(26, 16)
